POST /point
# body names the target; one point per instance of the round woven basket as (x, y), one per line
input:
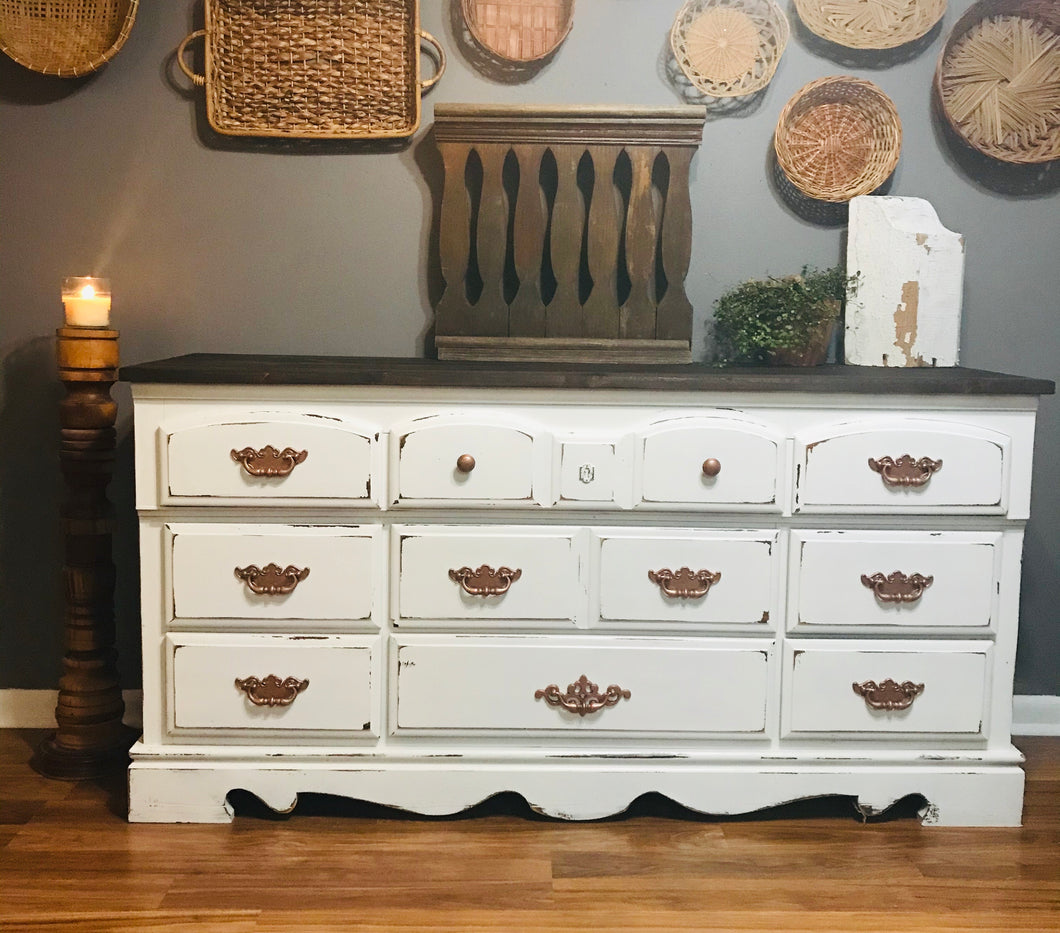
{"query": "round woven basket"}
(68, 38)
(838, 137)
(998, 79)
(870, 24)
(729, 48)
(520, 31)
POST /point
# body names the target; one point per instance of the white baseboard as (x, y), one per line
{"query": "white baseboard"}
(35, 709)
(1035, 715)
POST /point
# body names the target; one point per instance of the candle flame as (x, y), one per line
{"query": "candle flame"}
(88, 291)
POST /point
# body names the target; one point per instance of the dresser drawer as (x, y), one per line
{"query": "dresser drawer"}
(668, 576)
(515, 685)
(266, 457)
(909, 465)
(224, 572)
(484, 575)
(895, 580)
(442, 460)
(709, 461)
(857, 687)
(241, 682)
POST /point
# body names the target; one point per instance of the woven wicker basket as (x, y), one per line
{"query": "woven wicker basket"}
(729, 48)
(519, 30)
(998, 79)
(870, 24)
(67, 38)
(325, 69)
(838, 137)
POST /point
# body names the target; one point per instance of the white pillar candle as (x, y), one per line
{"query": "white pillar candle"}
(86, 301)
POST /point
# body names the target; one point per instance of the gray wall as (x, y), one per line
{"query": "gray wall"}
(225, 245)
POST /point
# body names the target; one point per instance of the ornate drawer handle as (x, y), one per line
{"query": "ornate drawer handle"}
(888, 695)
(465, 463)
(684, 583)
(270, 690)
(905, 471)
(270, 580)
(711, 466)
(897, 587)
(485, 581)
(582, 697)
(269, 461)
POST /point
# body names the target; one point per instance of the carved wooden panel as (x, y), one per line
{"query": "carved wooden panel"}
(565, 233)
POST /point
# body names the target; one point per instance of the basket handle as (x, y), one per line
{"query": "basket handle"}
(439, 56)
(197, 80)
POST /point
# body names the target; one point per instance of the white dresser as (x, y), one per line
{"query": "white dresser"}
(421, 584)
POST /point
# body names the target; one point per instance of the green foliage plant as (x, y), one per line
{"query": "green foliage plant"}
(780, 320)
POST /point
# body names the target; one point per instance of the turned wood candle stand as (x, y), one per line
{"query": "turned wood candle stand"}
(90, 739)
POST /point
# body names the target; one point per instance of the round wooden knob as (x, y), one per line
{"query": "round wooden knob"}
(711, 467)
(465, 463)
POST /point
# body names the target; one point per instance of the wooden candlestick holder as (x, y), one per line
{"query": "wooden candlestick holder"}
(91, 738)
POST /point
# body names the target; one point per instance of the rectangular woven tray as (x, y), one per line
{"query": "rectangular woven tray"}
(313, 68)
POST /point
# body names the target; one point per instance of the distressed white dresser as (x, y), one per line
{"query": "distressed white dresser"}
(422, 583)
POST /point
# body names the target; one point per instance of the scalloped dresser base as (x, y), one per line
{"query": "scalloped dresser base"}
(956, 794)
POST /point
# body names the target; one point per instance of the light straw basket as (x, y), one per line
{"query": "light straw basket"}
(870, 24)
(998, 80)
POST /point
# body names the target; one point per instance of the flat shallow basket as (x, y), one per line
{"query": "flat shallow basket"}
(729, 48)
(870, 24)
(519, 30)
(332, 69)
(998, 79)
(67, 38)
(838, 137)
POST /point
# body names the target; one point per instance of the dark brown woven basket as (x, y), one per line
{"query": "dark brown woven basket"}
(328, 69)
(998, 80)
(67, 38)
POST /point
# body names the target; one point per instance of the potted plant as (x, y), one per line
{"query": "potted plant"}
(785, 321)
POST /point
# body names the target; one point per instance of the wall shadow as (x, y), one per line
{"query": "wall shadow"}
(30, 543)
(1007, 178)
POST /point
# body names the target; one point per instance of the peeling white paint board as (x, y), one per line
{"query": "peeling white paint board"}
(904, 307)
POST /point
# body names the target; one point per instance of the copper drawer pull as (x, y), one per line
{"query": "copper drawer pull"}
(684, 583)
(711, 467)
(270, 690)
(269, 461)
(888, 695)
(582, 697)
(897, 587)
(485, 581)
(465, 463)
(905, 471)
(270, 580)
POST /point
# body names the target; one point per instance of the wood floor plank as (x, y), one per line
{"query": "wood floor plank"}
(69, 860)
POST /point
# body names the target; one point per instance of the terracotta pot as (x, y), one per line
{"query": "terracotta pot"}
(814, 353)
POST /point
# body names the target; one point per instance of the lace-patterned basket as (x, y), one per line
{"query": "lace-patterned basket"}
(729, 48)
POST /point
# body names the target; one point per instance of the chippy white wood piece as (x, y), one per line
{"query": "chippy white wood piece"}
(957, 793)
(904, 307)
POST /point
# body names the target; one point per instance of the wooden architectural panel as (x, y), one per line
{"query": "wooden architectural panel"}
(565, 233)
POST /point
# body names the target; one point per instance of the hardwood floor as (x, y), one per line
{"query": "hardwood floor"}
(70, 861)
